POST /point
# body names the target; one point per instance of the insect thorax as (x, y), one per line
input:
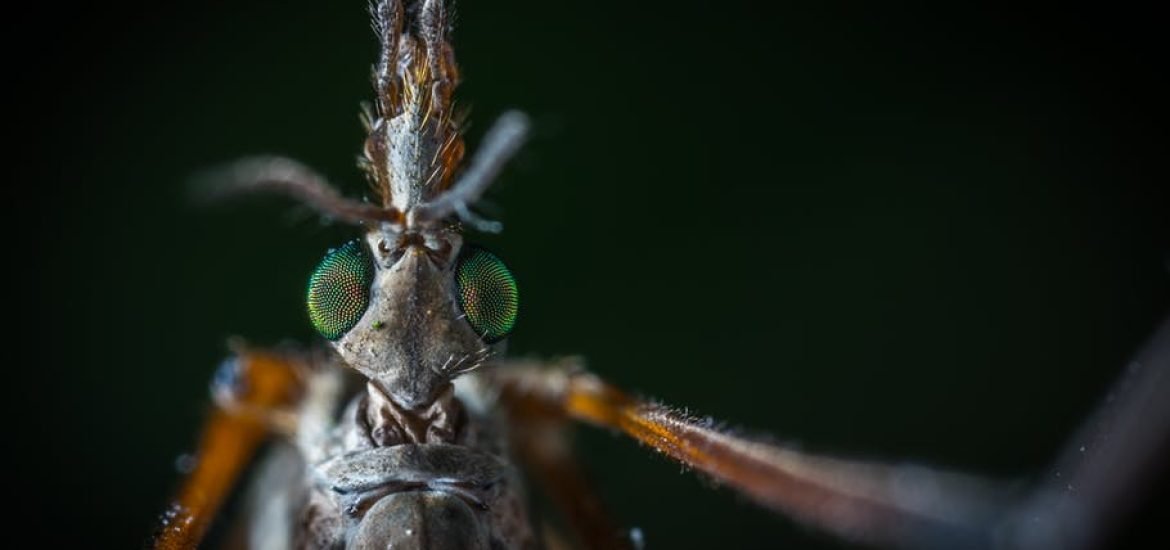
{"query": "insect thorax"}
(343, 489)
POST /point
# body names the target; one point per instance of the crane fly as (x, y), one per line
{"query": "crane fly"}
(408, 431)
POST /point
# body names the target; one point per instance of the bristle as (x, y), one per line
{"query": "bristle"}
(415, 78)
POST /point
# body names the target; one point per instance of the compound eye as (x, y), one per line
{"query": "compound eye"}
(487, 294)
(339, 290)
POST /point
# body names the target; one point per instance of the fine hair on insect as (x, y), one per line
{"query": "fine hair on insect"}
(409, 426)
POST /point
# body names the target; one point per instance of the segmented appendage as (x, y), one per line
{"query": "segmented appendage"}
(415, 143)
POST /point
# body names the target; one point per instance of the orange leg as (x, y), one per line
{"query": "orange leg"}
(254, 390)
(541, 437)
(864, 501)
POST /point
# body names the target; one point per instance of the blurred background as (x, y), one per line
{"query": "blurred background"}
(928, 234)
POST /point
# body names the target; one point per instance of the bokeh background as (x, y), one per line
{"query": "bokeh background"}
(931, 234)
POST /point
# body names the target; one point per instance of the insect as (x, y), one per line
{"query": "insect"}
(418, 457)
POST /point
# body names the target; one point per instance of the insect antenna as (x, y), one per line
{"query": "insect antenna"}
(502, 141)
(289, 177)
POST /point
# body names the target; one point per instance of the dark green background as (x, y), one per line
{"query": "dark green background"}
(930, 234)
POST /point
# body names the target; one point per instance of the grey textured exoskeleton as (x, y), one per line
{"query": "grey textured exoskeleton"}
(409, 464)
(412, 462)
(421, 451)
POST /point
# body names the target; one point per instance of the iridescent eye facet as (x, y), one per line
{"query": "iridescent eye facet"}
(487, 294)
(339, 290)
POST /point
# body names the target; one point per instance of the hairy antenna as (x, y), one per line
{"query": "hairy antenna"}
(499, 145)
(289, 177)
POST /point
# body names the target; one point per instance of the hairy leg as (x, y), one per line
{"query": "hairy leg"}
(541, 437)
(899, 505)
(256, 392)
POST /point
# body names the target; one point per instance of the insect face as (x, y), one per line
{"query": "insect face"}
(412, 310)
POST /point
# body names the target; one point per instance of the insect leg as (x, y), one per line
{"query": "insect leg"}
(1108, 466)
(254, 389)
(540, 436)
(899, 505)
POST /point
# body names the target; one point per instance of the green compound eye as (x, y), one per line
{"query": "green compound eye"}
(339, 290)
(487, 294)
